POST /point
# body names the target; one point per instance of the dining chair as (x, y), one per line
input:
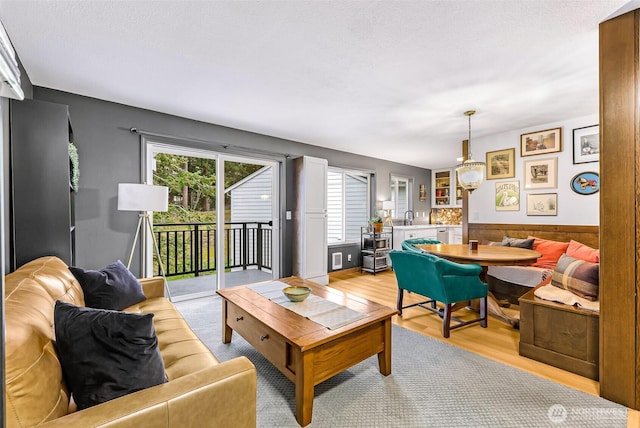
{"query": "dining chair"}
(441, 281)
(409, 244)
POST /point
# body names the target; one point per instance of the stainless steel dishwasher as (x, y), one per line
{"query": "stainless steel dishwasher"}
(443, 234)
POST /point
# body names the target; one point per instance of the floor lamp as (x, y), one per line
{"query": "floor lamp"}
(144, 198)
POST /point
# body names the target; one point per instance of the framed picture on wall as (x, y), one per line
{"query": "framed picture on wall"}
(586, 144)
(586, 183)
(501, 164)
(541, 173)
(542, 204)
(541, 142)
(508, 196)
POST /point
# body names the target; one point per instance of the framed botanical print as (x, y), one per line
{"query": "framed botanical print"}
(541, 173)
(542, 204)
(501, 164)
(541, 142)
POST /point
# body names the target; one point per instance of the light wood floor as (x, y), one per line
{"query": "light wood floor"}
(499, 341)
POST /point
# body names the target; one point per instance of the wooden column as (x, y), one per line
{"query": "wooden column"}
(619, 210)
(465, 197)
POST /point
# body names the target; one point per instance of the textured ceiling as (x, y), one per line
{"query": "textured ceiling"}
(389, 79)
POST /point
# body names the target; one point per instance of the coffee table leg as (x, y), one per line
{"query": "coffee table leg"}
(304, 388)
(226, 330)
(384, 357)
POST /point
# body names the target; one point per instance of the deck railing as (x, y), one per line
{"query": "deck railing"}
(190, 248)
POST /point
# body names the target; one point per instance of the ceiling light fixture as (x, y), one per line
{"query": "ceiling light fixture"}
(470, 172)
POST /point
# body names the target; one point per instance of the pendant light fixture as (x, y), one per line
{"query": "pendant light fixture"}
(470, 172)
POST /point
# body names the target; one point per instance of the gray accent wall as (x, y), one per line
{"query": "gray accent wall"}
(110, 154)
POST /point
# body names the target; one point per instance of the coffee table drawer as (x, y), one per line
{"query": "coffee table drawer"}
(266, 341)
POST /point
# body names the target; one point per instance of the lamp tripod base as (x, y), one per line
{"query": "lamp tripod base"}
(145, 219)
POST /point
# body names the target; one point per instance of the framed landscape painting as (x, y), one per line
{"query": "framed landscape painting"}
(501, 164)
(541, 142)
(541, 174)
(542, 204)
(586, 144)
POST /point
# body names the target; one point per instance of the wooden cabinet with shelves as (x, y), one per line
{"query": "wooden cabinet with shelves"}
(445, 192)
(375, 249)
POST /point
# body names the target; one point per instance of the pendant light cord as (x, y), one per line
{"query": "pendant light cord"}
(469, 114)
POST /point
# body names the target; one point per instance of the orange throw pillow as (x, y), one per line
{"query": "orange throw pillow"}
(581, 251)
(550, 250)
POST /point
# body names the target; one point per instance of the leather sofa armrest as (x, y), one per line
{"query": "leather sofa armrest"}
(152, 287)
(221, 395)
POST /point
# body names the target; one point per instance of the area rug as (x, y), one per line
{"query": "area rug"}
(432, 384)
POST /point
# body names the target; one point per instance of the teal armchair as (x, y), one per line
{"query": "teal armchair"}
(442, 281)
(409, 244)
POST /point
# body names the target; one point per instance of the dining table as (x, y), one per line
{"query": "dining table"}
(485, 256)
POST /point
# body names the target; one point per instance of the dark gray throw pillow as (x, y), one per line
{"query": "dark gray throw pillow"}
(112, 287)
(516, 242)
(106, 354)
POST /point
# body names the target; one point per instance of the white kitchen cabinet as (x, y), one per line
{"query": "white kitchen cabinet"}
(445, 233)
(401, 233)
(455, 234)
(310, 219)
(445, 190)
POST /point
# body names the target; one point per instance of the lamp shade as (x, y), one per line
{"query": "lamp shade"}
(388, 205)
(142, 197)
(470, 174)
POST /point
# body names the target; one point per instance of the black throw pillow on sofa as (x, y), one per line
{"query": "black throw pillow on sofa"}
(112, 287)
(106, 354)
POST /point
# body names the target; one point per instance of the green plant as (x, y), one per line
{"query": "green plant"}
(375, 219)
(75, 167)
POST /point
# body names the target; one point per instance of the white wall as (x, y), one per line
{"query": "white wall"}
(572, 208)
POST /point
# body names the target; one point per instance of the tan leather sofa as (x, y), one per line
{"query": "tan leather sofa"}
(201, 390)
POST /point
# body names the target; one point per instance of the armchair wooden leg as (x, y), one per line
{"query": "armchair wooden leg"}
(399, 303)
(483, 312)
(446, 320)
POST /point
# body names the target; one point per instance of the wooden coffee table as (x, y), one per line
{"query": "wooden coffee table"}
(306, 352)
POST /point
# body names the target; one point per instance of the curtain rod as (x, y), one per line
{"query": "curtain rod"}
(199, 141)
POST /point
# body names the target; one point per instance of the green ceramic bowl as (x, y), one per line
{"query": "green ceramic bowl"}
(296, 293)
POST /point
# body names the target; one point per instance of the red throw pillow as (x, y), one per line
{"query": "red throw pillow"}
(550, 250)
(581, 251)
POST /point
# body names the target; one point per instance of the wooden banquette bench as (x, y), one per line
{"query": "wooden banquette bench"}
(557, 334)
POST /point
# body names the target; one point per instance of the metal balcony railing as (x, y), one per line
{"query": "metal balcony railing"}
(190, 248)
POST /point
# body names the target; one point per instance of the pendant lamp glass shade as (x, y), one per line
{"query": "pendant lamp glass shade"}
(470, 172)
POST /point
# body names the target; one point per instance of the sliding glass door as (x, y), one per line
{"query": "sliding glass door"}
(249, 218)
(222, 227)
